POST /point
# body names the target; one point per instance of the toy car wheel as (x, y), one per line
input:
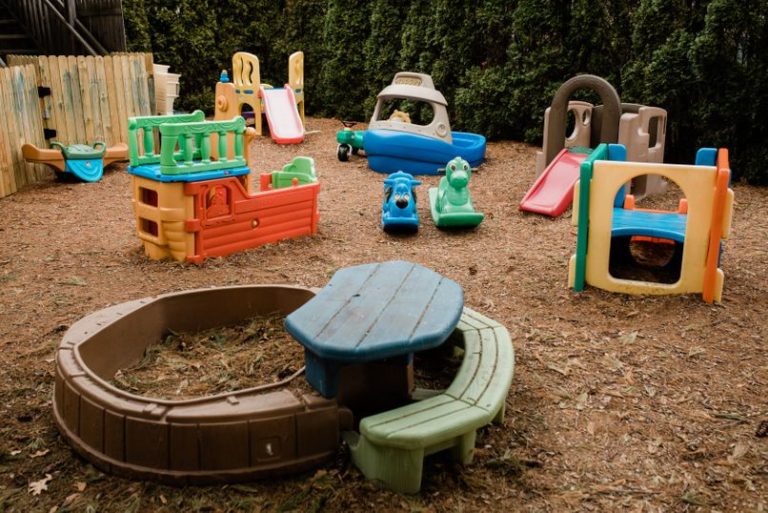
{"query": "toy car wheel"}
(355, 151)
(343, 152)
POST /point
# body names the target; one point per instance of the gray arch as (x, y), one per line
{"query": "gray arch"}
(609, 131)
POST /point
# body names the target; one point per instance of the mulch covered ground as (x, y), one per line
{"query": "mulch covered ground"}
(618, 403)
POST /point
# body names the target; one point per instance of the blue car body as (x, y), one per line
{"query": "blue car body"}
(398, 212)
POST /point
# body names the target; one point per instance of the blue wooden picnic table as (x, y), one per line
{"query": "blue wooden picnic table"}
(374, 312)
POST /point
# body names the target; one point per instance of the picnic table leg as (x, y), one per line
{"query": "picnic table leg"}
(399, 469)
(372, 387)
(322, 374)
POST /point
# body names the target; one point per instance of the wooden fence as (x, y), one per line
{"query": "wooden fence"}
(91, 100)
(21, 123)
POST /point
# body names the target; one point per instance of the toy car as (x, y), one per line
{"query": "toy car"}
(350, 141)
(398, 212)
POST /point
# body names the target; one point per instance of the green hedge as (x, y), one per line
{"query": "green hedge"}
(498, 62)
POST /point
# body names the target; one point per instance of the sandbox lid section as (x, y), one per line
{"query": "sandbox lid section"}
(229, 437)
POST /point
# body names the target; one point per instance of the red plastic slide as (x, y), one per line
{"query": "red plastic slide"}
(285, 124)
(552, 191)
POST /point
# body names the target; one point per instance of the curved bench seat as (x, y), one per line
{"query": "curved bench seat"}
(391, 445)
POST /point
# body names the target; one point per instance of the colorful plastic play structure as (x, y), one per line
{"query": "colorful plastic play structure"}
(80, 161)
(450, 202)
(608, 222)
(398, 211)
(197, 202)
(359, 334)
(282, 107)
(394, 145)
(641, 129)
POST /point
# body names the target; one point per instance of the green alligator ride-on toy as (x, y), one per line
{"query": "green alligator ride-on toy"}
(450, 202)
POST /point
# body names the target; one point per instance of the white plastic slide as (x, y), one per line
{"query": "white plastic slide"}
(285, 124)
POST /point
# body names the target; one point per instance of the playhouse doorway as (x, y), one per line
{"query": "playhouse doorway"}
(648, 236)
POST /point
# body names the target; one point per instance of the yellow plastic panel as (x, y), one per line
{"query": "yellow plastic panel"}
(296, 80)
(169, 215)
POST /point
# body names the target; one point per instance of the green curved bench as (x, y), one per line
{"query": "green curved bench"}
(391, 445)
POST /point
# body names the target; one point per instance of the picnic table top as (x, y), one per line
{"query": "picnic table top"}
(377, 311)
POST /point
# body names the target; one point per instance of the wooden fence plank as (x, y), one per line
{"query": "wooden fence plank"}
(130, 92)
(6, 138)
(42, 171)
(49, 111)
(77, 100)
(117, 129)
(26, 172)
(68, 97)
(105, 116)
(121, 97)
(5, 187)
(33, 122)
(57, 92)
(11, 100)
(142, 84)
(98, 120)
(90, 98)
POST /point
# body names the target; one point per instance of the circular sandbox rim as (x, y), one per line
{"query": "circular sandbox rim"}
(243, 435)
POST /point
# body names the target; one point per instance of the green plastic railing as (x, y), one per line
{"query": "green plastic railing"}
(147, 126)
(194, 141)
(185, 143)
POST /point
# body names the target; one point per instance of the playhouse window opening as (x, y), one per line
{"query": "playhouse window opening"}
(246, 110)
(148, 227)
(654, 127)
(148, 196)
(570, 122)
(654, 192)
(408, 111)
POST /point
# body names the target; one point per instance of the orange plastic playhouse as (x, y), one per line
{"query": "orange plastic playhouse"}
(194, 200)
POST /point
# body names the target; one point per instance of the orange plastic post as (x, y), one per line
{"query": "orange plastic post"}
(265, 181)
(716, 230)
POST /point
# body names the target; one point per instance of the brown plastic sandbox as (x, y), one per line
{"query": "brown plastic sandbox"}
(236, 436)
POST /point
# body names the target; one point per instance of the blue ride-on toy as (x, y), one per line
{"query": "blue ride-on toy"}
(398, 212)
